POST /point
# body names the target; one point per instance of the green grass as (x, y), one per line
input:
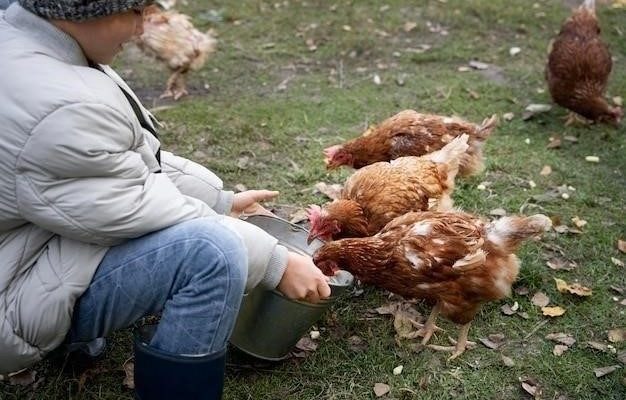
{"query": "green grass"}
(330, 96)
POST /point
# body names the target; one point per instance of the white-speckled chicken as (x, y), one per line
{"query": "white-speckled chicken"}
(453, 259)
(171, 37)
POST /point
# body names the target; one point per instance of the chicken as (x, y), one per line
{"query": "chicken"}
(380, 192)
(171, 37)
(410, 133)
(578, 68)
(453, 259)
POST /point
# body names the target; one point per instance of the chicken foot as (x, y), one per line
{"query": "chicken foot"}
(573, 119)
(461, 343)
(176, 85)
(429, 327)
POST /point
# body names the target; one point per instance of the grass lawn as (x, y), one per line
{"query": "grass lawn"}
(293, 77)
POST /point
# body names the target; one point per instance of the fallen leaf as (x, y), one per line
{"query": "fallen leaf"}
(621, 245)
(306, 344)
(531, 387)
(381, 389)
(298, 216)
(555, 311)
(560, 264)
(508, 116)
(562, 338)
(507, 361)
(398, 370)
(356, 343)
(554, 143)
(559, 349)
(600, 372)
(570, 138)
(538, 108)
(579, 222)
(129, 374)
(605, 348)
(331, 191)
(23, 378)
(573, 288)
(478, 65)
(617, 262)
(593, 159)
(243, 162)
(409, 26)
(617, 335)
(507, 310)
(546, 170)
(521, 290)
(621, 357)
(540, 299)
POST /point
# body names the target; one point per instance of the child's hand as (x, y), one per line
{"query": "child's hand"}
(302, 280)
(248, 202)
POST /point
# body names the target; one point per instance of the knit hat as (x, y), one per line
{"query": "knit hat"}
(80, 10)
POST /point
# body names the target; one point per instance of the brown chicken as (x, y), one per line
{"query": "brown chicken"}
(578, 68)
(450, 258)
(171, 37)
(378, 193)
(410, 133)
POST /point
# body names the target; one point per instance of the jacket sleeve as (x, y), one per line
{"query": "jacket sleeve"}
(196, 181)
(78, 176)
(82, 174)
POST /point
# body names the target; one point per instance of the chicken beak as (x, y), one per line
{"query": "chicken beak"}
(312, 236)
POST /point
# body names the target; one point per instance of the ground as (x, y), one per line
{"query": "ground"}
(292, 77)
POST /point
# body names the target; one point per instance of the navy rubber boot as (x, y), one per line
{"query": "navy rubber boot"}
(160, 375)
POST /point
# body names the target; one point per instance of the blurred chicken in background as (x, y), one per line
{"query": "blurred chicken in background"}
(171, 38)
(579, 66)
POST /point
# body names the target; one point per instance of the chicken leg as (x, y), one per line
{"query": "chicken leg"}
(573, 119)
(176, 86)
(429, 327)
(461, 343)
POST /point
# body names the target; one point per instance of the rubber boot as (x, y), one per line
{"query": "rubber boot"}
(160, 375)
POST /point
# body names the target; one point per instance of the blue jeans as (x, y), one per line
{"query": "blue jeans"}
(194, 273)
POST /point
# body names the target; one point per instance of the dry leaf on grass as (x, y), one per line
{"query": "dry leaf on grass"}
(573, 288)
(554, 143)
(558, 263)
(493, 341)
(129, 373)
(23, 378)
(553, 311)
(617, 335)
(559, 349)
(381, 389)
(617, 262)
(298, 216)
(306, 344)
(621, 357)
(331, 191)
(562, 338)
(507, 361)
(356, 343)
(579, 222)
(531, 386)
(605, 348)
(621, 245)
(398, 370)
(546, 170)
(600, 372)
(540, 299)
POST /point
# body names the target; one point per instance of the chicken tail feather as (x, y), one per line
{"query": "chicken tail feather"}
(507, 233)
(484, 130)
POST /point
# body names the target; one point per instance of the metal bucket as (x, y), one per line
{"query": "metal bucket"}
(269, 324)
